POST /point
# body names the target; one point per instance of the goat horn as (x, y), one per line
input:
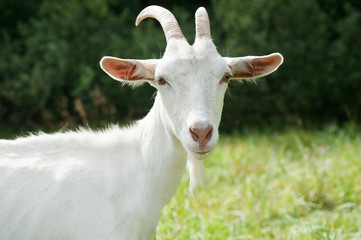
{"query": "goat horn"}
(202, 23)
(165, 18)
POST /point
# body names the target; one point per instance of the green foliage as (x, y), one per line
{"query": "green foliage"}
(293, 184)
(319, 79)
(50, 76)
(54, 74)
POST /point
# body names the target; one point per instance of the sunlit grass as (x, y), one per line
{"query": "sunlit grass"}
(293, 184)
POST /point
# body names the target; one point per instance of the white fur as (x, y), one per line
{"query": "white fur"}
(89, 185)
(112, 184)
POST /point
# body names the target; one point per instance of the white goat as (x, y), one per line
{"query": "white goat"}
(113, 184)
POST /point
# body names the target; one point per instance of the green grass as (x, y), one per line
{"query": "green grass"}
(294, 184)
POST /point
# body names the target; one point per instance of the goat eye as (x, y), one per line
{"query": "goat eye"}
(225, 78)
(161, 81)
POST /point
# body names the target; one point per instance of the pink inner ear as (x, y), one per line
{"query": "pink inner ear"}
(256, 66)
(120, 69)
(265, 65)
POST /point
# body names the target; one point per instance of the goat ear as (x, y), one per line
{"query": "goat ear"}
(252, 66)
(129, 71)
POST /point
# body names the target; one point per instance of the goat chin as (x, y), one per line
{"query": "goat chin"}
(196, 173)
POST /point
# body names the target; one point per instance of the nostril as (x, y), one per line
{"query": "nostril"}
(194, 134)
(209, 131)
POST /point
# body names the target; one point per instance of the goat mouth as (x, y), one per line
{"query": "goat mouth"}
(203, 152)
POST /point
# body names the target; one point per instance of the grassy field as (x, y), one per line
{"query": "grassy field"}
(294, 184)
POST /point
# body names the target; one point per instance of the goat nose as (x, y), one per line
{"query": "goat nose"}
(201, 135)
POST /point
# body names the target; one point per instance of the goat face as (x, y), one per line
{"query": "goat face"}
(191, 80)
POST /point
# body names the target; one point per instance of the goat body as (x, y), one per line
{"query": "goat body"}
(112, 184)
(89, 185)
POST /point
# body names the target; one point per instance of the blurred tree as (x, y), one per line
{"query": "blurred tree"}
(14, 12)
(55, 62)
(314, 83)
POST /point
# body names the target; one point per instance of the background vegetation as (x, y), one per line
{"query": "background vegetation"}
(50, 76)
(291, 185)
